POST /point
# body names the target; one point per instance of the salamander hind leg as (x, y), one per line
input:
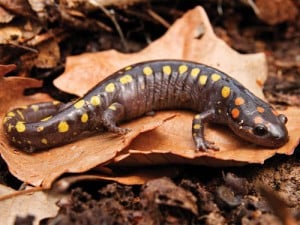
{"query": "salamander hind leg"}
(112, 115)
(198, 131)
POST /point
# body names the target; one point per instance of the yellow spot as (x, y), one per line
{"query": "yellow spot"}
(24, 107)
(215, 77)
(35, 107)
(63, 126)
(46, 118)
(84, 118)
(182, 69)
(20, 127)
(55, 102)
(20, 114)
(44, 141)
(79, 104)
(260, 109)
(112, 107)
(13, 139)
(40, 128)
(203, 79)
(235, 113)
(239, 101)
(197, 126)
(195, 72)
(6, 119)
(167, 70)
(125, 79)
(225, 91)
(95, 100)
(29, 142)
(197, 117)
(9, 127)
(11, 114)
(128, 68)
(110, 87)
(147, 71)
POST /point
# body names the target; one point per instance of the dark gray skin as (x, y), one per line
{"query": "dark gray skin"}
(146, 87)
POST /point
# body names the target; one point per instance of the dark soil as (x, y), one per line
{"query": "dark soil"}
(197, 196)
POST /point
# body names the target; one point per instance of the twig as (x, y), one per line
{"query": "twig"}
(110, 14)
(117, 3)
(157, 17)
(17, 193)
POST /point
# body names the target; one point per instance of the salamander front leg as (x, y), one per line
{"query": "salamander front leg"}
(112, 115)
(198, 131)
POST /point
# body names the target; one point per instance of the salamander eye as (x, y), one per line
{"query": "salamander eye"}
(260, 130)
(283, 118)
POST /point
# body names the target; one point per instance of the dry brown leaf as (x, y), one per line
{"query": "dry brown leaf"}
(5, 16)
(132, 178)
(5, 69)
(18, 7)
(49, 55)
(19, 35)
(275, 12)
(182, 41)
(8, 34)
(11, 91)
(39, 204)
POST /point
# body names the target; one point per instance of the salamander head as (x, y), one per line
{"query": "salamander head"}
(258, 123)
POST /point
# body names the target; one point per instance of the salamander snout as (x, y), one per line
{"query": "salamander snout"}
(279, 131)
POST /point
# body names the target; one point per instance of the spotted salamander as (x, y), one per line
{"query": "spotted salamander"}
(146, 87)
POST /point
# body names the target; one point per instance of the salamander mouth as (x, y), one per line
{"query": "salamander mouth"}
(275, 142)
(268, 141)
